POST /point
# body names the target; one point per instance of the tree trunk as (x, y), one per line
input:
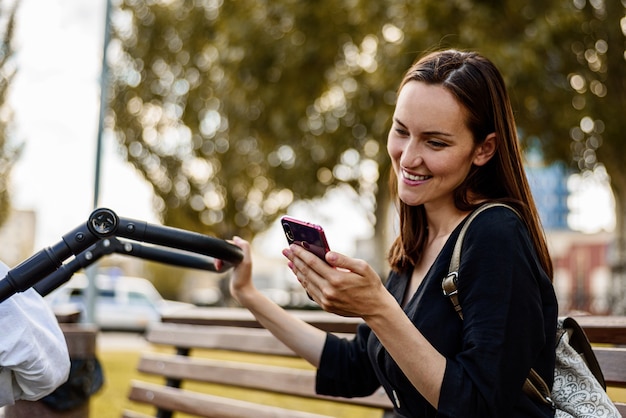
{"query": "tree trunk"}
(612, 150)
(384, 231)
(617, 259)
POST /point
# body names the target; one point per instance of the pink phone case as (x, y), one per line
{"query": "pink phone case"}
(305, 234)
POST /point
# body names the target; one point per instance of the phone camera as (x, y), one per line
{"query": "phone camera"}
(288, 232)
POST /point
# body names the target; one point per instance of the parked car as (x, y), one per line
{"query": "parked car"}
(122, 303)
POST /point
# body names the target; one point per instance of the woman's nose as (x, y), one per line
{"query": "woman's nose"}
(412, 154)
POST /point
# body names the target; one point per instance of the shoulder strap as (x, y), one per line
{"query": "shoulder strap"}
(579, 342)
(450, 282)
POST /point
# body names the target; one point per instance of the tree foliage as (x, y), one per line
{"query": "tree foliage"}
(235, 109)
(8, 149)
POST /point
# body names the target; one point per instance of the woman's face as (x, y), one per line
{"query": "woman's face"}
(430, 145)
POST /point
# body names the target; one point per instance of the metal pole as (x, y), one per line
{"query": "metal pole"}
(92, 270)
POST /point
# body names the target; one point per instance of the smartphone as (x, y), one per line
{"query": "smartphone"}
(308, 235)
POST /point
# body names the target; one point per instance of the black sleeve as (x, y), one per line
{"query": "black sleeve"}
(504, 329)
(345, 369)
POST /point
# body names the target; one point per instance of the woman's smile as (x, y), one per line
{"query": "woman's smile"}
(416, 178)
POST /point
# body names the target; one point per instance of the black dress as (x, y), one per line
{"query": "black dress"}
(510, 313)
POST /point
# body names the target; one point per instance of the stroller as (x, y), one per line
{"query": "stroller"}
(106, 233)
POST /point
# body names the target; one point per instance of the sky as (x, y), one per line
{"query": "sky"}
(55, 99)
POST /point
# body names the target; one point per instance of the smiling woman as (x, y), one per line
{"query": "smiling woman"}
(453, 147)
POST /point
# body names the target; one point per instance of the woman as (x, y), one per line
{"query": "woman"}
(453, 146)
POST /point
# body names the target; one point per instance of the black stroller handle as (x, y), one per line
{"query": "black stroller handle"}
(180, 239)
(114, 245)
(102, 224)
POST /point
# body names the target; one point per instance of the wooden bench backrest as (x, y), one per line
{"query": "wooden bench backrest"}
(609, 330)
(253, 340)
(282, 379)
(277, 379)
(612, 362)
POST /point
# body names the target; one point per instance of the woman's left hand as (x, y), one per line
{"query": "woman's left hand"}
(343, 285)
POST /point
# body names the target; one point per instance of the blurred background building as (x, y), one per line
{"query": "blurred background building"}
(582, 273)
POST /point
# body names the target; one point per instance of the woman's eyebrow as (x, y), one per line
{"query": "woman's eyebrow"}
(433, 133)
(437, 133)
(396, 120)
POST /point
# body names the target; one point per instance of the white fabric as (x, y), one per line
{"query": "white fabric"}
(33, 353)
(575, 391)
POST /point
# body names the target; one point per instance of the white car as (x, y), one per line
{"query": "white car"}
(122, 303)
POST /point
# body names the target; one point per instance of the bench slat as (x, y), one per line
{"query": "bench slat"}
(604, 329)
(609, 329)
(208, 406)
(242, 318)
(277, 379)
(133, 414)
(251, 340)
(613, 365)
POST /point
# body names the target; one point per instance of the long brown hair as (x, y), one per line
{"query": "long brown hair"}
(479, 87)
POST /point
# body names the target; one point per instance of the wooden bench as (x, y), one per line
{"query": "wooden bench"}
(182, 367)
(236, 331)
(608, 336)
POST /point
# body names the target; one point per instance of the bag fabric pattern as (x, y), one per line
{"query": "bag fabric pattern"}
(576, 392)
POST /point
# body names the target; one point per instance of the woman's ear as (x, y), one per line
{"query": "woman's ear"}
(486, 150)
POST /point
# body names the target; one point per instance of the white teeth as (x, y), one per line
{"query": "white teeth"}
(414, 177)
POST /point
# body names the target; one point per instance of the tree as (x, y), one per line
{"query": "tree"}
(8, 150)
(234, 112)
(235, 109)
(595, 73)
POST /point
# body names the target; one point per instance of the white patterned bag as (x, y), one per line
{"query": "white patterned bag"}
(576, 392)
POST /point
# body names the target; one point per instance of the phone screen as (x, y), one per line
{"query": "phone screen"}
(308, 235)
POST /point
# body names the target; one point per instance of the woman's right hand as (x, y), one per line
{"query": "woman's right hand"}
(241, 277)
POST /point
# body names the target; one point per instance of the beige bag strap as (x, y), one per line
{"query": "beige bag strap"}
(450, 282)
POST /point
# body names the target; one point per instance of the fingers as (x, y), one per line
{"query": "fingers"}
(305, 266)
(241, 243)
(245, 248)
(304, 262)
(342, 285)
(346, 263)
(241, 277)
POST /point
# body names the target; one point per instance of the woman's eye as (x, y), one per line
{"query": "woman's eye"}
(437, 144)
(402, 132)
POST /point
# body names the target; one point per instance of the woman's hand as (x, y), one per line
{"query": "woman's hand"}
(345, 286)
(241, 277)
(306, 340)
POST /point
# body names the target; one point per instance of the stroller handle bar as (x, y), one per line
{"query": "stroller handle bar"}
(104, 225)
